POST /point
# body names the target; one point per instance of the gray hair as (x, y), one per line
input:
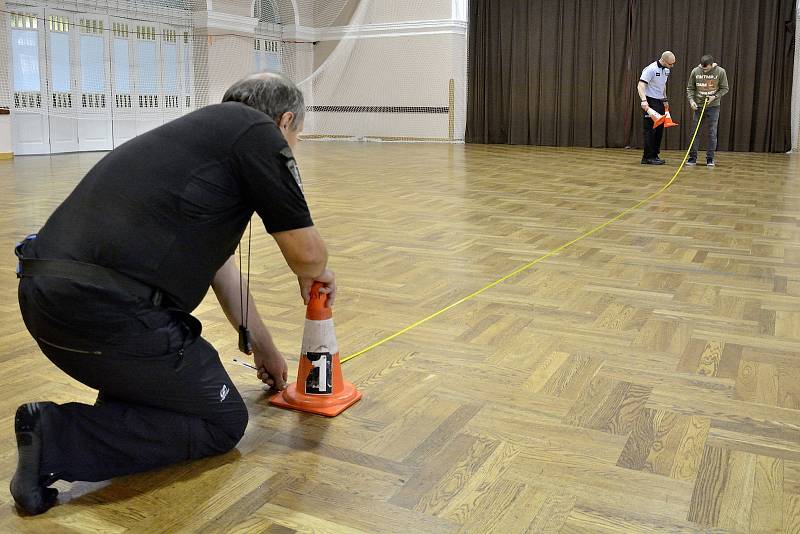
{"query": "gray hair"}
(271, 93)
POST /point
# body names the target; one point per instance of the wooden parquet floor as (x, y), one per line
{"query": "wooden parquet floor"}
(645, 379)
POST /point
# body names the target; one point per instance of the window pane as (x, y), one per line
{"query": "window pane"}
(264, 11)
(147, 68)
(92, 64)
(25, 51)
(59, 62)
(170, 60)
(273, 62)
(187, 65)
(122, 70)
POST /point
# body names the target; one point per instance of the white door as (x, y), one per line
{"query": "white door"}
(62, 98)
(151, 78)
(94, 106)
(148, 100)
(29, 123)
(89, 82)
(187, 73)
(171, 59)
(122, 81)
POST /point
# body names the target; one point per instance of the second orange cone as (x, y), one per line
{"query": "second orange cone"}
(668, 122)
(320, 387)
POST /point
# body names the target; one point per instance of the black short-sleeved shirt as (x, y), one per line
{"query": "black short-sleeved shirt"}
(169, 207)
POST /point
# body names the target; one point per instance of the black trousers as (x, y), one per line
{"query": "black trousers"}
(710, 121)
(164, 395)
(652, 136)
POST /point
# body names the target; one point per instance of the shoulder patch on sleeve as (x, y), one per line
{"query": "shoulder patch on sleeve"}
(291, 164)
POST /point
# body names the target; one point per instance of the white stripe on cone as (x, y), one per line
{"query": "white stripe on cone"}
(319, 336)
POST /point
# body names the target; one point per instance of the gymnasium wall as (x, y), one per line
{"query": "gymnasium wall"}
(370, 69)
(394, 71)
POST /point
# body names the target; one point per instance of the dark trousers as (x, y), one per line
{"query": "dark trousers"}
(710, 122)
(164, 395)
(652, 136)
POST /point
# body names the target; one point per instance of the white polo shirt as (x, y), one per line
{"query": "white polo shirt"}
(655, 76)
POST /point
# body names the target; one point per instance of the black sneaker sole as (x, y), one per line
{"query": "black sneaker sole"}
(28, 487)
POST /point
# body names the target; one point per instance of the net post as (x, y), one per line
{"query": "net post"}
(451, 109)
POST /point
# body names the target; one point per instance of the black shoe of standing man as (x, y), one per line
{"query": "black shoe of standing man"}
(29, 487)
(653, 161)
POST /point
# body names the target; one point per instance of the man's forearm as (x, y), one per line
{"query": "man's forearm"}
(226, 286)
(304, 251)
(640, 89)
(309, 269)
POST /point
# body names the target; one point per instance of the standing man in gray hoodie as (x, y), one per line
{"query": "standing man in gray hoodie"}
(707, 80)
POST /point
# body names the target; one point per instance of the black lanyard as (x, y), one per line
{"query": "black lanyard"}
(245, 340)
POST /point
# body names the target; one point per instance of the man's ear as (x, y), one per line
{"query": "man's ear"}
(286, 120)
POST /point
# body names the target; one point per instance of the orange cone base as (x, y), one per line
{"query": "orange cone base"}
(328, 405)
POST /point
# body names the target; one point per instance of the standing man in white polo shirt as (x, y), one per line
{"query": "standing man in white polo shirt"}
(652, 90)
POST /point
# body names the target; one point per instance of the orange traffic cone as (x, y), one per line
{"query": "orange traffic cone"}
(320, 387)
(668, 118)
(657, 117)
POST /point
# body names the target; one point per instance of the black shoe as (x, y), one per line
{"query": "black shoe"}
(692, 160)
(29, 487)
(710, 162)
(654, 161)
(661, 161)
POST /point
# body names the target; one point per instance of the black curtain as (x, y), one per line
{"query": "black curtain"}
(564, 72)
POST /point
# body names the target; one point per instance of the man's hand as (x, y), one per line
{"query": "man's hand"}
(271, 368)
(712, 98)
(693, 105)
(645, 106)
(328, 280)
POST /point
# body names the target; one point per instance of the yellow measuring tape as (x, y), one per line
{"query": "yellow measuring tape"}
(540, 258)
